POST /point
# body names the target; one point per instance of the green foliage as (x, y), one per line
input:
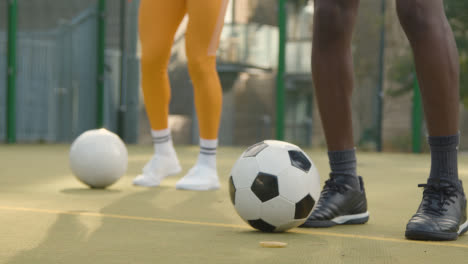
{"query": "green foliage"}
(403, 70)
(457, 12)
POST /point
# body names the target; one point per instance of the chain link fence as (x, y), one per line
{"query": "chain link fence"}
(56, 81)
(57, 74)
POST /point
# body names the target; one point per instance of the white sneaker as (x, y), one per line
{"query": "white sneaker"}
(158, 168)
(199, 178)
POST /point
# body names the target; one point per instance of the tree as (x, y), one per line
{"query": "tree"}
(403, 70)
(457, 12)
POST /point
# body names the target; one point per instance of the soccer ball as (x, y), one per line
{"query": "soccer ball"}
(274, 186)
(98, 158)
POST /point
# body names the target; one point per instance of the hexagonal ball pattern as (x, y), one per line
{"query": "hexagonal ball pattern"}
(299, 160)
(265, 186)
(281, 144)
(247, 205)
(273, 160)
(292, 224)
(312, 182)
(292, 184)
(261, 225)
(244, 172)
(253, 150)
(232, 190)
(304, 207)
(278, 211)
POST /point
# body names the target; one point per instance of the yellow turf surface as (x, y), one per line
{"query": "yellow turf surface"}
(46, 216)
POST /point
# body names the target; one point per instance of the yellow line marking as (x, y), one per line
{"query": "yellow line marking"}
(186, 222)
(383, 239)
(126, 217)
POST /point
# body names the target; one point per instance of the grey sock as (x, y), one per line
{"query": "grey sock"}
(343, 162)
(444, 151)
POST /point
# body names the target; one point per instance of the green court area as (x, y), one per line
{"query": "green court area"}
(46, 216)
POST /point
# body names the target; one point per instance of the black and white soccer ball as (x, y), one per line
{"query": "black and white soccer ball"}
(274, 186)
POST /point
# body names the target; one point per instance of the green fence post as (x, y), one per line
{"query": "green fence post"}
(101, 45)
(123, 70)
(417, 118)
(280, 90)
(132, 91)
(11, 79)
(380, 84)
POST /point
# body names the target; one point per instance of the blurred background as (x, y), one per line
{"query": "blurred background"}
(69, 66)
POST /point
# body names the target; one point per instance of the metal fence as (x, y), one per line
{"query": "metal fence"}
(3, 83)
(56, 95)
(57, 72)
(53, 78)
(251, 44)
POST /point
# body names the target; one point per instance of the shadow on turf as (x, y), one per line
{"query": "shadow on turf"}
(87, 191)
(78, 239)
(256, 233)
(69, 238)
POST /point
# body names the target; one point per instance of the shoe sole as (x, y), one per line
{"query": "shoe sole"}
(198, 188)
(436, 236)
(356, 219)
(174, 172)
(170, 173)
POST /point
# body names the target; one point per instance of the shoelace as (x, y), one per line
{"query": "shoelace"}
(331, 186)
(438, 193)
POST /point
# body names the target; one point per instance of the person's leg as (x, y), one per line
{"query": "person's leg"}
(343, 199)
(332, 71)
(206, 20)
(158, 23)
(442, 214)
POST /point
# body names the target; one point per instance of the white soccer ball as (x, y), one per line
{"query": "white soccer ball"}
(98, 158)
(274, 186)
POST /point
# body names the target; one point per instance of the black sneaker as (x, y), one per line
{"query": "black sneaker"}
(342, 201)
(442, 212)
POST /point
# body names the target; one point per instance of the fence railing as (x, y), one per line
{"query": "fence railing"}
(56, 81)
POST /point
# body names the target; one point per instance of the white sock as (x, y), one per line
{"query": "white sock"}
(162, 142)
(207, 155)
(163, 163)
(203, 176)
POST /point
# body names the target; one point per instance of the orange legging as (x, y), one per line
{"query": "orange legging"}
(158, 23)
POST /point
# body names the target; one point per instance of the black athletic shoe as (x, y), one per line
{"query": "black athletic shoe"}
(442, 212)
(342, 201)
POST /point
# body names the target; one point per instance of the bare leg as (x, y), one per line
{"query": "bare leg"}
(442, 213)
(343, 199)
(437, 65)
(332, 69)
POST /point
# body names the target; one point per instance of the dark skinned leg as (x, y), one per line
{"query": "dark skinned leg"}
(343, 199)
(437, 64)
(332, 69)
